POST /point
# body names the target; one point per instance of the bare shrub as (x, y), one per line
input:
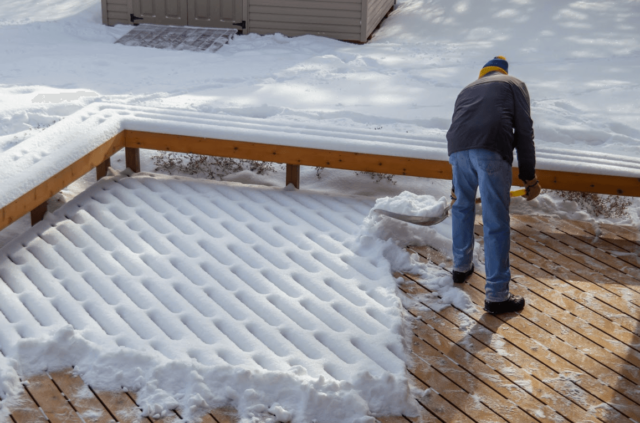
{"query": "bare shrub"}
(608, 206)
(219, 167)
(377, 176)
(210, 167)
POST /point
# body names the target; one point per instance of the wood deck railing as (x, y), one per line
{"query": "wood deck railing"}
(35, 200)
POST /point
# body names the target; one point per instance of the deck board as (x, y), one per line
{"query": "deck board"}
(550, 368)
(576, 331)
(50, 399)
(224, 416)
(564, 288)
(450, 381)
(595, 284)
(486, 348)
(565, 348)
(591, 289)
(572, 355)
(595, 247)
(27, 411)
(597, 261)
(605, 233)
(507, 395)
(623, 232)
(84, 401)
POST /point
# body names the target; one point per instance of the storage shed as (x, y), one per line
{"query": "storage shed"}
(347, 20)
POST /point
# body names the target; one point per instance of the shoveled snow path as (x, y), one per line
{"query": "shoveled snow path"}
(203, 293)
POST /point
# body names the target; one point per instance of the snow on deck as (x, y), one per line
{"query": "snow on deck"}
(203, 293)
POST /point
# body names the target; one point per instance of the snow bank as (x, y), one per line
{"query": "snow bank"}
(200, 294)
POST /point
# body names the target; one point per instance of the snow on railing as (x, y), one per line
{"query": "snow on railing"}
(38, 168)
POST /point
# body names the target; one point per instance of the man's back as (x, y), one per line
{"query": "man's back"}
(494, 113)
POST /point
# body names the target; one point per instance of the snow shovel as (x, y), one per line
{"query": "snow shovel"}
(434, 220)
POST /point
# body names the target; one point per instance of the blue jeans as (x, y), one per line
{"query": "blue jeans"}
(493, 174)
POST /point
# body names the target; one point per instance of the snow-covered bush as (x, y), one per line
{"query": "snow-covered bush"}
(607, 206)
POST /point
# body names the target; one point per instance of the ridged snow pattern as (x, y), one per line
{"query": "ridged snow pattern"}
(220, 273)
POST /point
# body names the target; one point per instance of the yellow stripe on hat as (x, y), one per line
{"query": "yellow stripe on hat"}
(501, 58)
(489, 69)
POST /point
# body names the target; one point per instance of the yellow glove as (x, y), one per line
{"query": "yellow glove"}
(533, 188)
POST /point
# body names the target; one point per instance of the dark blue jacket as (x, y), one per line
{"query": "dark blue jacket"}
(494, 113)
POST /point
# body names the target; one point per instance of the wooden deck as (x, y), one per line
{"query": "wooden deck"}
(573, 353)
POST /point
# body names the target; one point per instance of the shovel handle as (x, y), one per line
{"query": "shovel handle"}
(516, 193)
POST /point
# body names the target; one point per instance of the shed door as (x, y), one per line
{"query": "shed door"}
(162, 12)
(215, 13)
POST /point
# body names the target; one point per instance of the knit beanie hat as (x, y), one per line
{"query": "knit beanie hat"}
(498, 63)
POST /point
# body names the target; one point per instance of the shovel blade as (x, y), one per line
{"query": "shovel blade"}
(430, 221)
(416, 220)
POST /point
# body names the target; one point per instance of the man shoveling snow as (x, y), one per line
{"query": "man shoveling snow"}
(492, 117)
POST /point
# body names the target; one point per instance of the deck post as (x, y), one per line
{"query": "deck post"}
(132, 158)
(38, 213)
(293, 175)
(102, 169)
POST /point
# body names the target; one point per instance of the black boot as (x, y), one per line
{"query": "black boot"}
(514, 303)
(459, 277)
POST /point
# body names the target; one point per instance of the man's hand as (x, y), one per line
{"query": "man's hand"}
(533, 188)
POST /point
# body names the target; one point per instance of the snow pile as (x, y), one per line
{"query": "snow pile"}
(200, 294)
(410, 204)
(390, 237)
